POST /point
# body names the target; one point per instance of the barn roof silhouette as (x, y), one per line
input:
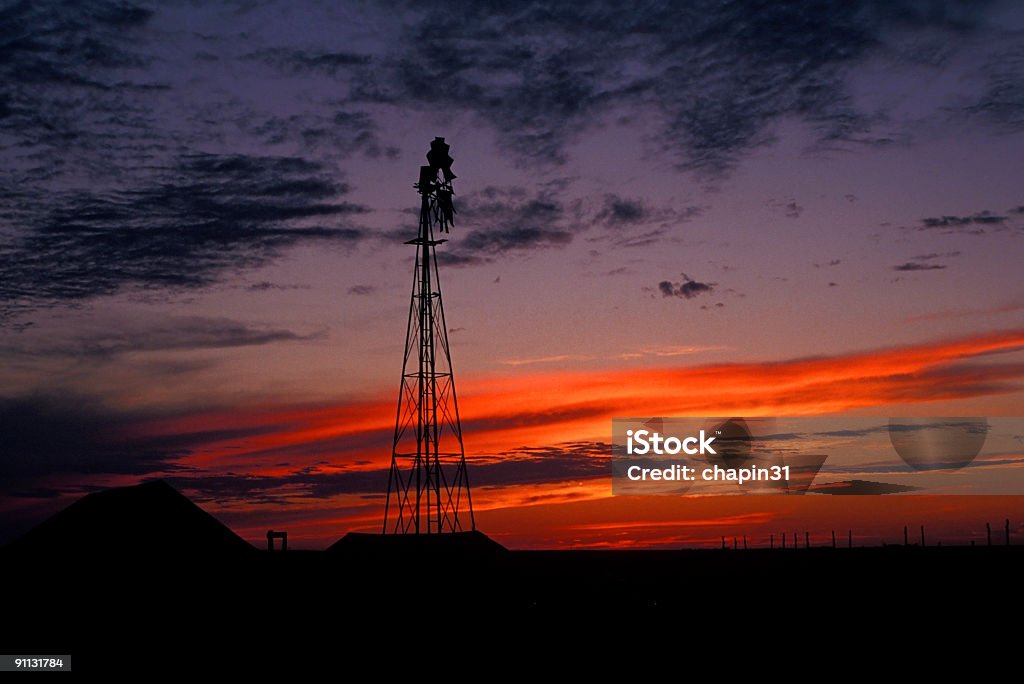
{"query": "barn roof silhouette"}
(150, 519)
(397, 546)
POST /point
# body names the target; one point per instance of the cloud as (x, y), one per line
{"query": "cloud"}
(988, 218)
(788, 207)
(1002, 102)
(541, 359)
(362, 290)
(198, 221)
(304, 61)
(107, 129)
(622, 216)
(718, 76)
(48, 436)
(644, 239)
(127, 166)
(511, 219)
(569, 461)
(169, 334)
(515, 238)
(946, 221)
(70, 80)
(317, 451)
(963, 224)
(687, 289)
(953, 314)
(861, 487)
(669, 351)
(264, 286)
(923, 262)
(454, 259)
(341, 133)
(618, 210)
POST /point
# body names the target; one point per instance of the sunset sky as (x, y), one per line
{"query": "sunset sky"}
(699, 208)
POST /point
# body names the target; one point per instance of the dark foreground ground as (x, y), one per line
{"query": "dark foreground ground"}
(141, 576)
(270, 600)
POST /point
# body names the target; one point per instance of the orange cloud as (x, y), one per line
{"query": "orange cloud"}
(500, 413)
(523, 409)
(294, 450)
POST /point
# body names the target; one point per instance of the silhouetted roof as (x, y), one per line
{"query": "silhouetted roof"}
(149, 519)
(459, 544)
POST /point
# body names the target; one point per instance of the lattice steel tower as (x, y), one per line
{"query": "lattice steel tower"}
(428, 488)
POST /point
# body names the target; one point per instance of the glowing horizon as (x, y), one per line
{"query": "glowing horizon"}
(745, 209)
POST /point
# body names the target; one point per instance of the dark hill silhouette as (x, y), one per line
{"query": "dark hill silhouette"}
(151, 519)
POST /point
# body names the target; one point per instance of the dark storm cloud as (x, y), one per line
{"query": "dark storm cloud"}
(46, 437)
(196, 221)
(687, 289)
(917, 266)
(51, 442)
(718, 74)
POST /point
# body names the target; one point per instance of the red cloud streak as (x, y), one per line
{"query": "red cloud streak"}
(504, 413)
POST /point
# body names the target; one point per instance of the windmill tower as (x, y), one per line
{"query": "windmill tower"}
(428, 487)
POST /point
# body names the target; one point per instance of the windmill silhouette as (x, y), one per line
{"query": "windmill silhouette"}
(428, 487)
